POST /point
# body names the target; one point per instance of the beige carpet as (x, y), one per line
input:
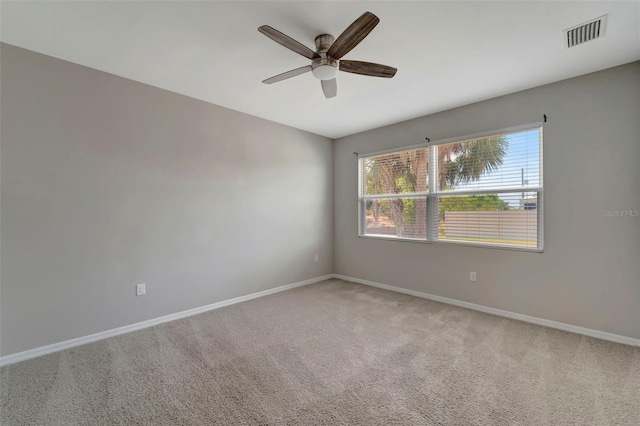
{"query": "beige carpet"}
(331, 353)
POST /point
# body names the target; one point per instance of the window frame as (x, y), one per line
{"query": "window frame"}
(432, 194)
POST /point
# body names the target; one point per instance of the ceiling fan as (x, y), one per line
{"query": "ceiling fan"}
(326, 60)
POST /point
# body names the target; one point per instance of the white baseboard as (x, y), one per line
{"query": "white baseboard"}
(43, 350)
(499, 312)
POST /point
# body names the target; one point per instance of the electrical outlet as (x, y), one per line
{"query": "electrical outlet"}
(140, 289)
(317, 258)
(473, 277)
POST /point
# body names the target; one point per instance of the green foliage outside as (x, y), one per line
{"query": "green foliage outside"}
(409, 212)
(472, 203)
(381, 208)
(467, 161)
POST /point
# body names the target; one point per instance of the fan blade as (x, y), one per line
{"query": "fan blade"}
(353, 35)
(330, 88)
(288, 42)
(367, 68)
(288, 74)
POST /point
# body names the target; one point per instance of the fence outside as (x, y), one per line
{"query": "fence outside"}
(501, 225)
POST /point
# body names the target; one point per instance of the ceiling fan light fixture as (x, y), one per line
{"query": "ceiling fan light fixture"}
(324, 68)
(325, 72)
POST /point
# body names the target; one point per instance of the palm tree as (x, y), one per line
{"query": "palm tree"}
(463, 162)
(391, 174)
(406, 171)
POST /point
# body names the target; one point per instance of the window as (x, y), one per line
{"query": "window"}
(485, 190)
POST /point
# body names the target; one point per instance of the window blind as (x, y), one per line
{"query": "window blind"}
(482, 191)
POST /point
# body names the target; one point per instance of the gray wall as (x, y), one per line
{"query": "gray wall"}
(107, 183)
(588, 274)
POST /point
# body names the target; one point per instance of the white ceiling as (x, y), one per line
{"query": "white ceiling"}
(447, 53)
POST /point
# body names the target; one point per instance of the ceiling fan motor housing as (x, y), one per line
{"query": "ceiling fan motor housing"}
(323, 42)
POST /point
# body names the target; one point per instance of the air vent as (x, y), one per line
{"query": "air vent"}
(585, 32)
